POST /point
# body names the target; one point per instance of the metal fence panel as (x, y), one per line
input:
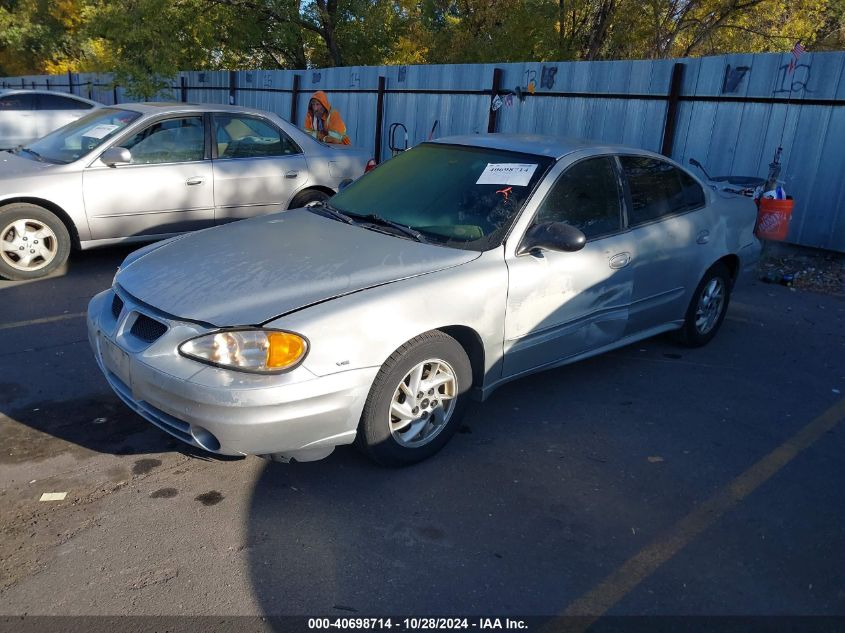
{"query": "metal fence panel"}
(732, 114)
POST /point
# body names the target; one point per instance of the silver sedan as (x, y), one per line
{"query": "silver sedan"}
(148, 171)
(449, 270)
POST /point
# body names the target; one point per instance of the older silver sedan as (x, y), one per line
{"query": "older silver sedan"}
(148, 171)
(449, 270)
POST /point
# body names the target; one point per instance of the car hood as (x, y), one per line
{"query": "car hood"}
(252, 271)
(14, 166)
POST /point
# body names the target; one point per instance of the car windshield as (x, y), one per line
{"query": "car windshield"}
(463, 197)
(81, 137)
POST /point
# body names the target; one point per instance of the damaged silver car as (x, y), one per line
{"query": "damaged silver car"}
(449, 270)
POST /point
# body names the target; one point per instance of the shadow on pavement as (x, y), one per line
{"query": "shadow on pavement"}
(53, 398)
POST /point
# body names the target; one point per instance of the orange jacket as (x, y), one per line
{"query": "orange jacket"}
(331, 124)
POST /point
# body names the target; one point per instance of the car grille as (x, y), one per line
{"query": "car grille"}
(116, 306)
(147, 329)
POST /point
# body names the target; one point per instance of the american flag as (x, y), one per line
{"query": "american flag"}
(797, 51)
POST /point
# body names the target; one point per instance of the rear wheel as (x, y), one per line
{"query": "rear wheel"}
(707, 308)
(416, 401)
(304, 197)
(33, 242)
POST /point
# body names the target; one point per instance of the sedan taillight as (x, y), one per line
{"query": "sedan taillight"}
(371, 165)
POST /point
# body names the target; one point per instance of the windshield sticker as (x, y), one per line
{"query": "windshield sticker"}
(100, 131)
(516, 174)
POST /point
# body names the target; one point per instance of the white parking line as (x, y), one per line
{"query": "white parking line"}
(52, 319)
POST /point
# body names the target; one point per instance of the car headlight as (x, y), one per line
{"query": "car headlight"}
(249, 349)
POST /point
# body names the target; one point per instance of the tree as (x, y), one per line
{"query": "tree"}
(146, 42)
(41, 36)
(176, 35)
(683, 28)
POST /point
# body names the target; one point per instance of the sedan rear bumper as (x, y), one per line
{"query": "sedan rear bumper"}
(296, 414)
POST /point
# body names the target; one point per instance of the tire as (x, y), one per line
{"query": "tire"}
(399, 428)
(309, 195)
(33, 242)
(707, 308)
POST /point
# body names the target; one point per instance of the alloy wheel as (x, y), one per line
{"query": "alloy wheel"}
(423, 403)
(710, 305)
(28, 244)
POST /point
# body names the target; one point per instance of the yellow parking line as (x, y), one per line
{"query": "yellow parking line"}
(52, 319)
(620, 583)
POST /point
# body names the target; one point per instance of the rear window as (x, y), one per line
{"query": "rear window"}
(58, 102)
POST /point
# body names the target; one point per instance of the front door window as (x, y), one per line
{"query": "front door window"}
(170, 141)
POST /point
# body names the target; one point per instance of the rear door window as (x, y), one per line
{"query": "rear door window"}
(657, 189)
(249, 137)
(693, 193)
(587, 197)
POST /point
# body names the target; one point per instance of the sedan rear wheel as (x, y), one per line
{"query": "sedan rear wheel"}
(416, 400)
(33, 242)
(708, 307)
(309, 195)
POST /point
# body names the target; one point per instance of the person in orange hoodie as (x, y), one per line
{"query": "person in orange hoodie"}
(323, 122)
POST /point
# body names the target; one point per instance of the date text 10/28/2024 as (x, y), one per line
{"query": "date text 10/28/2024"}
(417, 624)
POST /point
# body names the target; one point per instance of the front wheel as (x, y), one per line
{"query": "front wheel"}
(416, 401)
(707, 308)
(33, 242)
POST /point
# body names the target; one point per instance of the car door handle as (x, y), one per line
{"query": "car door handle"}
(703, 237)
(620, 260)
(292, 174)
(194, 181)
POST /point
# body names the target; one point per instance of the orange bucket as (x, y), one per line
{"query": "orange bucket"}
(773, 218)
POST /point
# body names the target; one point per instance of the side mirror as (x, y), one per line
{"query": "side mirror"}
(344, 184)
(552, 236)
(114, 156)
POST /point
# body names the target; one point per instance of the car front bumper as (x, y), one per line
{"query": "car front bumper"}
(291, 415)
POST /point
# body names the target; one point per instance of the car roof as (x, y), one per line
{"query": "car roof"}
(58, 93)
(158, 107)
(552, 146)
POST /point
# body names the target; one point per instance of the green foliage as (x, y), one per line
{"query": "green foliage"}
(41, 36)
(146, 42)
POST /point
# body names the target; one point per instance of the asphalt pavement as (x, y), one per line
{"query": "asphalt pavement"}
(654, 480)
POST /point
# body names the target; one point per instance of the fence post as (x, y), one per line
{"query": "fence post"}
(48, 83)
(379, 118)
(233, 87)
(294, 99)
(23, 83)
(672, 109)
(494, 90)
(114, 94)
(70, 82)
(183, 87)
